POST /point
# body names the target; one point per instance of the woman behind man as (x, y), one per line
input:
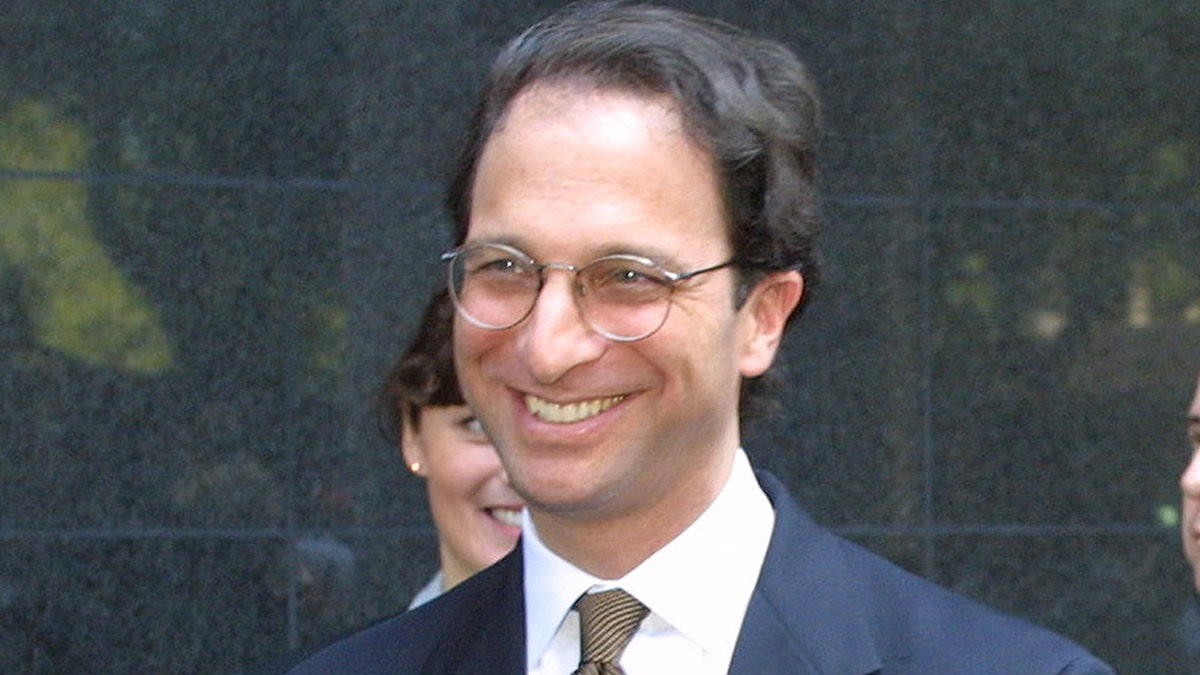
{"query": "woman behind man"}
(475, 510)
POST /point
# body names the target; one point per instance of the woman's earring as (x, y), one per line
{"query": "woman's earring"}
(415, 467)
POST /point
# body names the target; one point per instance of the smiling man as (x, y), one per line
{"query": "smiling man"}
(636, 226)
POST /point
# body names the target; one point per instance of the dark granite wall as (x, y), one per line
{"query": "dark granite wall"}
(219, 220)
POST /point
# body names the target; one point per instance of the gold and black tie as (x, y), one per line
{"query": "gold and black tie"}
(607, 622)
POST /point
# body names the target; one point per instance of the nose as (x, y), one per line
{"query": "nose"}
(554, 338)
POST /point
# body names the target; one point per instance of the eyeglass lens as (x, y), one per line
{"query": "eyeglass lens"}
(621, 297)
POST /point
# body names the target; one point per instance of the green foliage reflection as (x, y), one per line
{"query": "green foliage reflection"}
(75, 298)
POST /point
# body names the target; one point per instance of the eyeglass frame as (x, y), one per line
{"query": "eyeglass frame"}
(673, 278)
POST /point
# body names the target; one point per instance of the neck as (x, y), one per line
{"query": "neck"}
(611, 546)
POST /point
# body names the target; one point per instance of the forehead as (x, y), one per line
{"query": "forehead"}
(556, 97)
(608, 168)
(612, 119)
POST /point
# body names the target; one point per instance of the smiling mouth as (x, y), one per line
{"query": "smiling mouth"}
(507, 516)
(568, 413)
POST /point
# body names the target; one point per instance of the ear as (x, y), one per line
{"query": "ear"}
(411, 448)
(764, 317)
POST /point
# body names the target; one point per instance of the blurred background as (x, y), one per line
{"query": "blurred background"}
(219, 221)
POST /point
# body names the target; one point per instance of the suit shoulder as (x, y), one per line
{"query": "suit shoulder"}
(936, 629)
(416, 641)
(399, 643)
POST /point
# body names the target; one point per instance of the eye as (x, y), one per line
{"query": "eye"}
(624, 273)
(495, 264)
(472, 426)
(629, 275)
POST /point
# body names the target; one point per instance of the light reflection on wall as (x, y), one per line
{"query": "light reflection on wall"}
(76, 300)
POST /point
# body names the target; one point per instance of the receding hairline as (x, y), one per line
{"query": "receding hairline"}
(578, 86)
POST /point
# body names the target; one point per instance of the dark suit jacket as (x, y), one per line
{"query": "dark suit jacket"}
(822, 605)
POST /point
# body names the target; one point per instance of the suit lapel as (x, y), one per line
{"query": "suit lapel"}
(487, 634)
(803, 616)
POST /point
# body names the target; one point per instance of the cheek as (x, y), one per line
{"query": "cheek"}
(446, 493)
(700, 348)
(466, 467)
(471, 345)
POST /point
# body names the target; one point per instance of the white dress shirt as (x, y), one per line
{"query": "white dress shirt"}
(697, 588)
(429, 591)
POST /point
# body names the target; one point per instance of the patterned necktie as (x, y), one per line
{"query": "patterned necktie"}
(607, 622)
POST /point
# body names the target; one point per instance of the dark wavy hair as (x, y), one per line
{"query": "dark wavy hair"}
(424, 374)
(747, 100)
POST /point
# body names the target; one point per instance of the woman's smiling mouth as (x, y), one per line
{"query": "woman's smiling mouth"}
(508, 516)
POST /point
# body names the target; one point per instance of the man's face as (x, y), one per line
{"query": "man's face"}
(588, 428)
(1189, 483)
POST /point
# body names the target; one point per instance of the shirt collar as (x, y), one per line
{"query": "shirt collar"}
(721, 552)
(429, 591)
(547, 600)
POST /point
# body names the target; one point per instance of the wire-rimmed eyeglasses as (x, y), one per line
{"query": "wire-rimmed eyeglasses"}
(622, 297)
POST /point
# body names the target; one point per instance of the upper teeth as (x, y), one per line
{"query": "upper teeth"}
(569, 412)
(508, 516)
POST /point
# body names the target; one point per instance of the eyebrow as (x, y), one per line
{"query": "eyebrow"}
(652, 253)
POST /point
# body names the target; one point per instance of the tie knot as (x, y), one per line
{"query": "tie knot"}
(607, 622)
